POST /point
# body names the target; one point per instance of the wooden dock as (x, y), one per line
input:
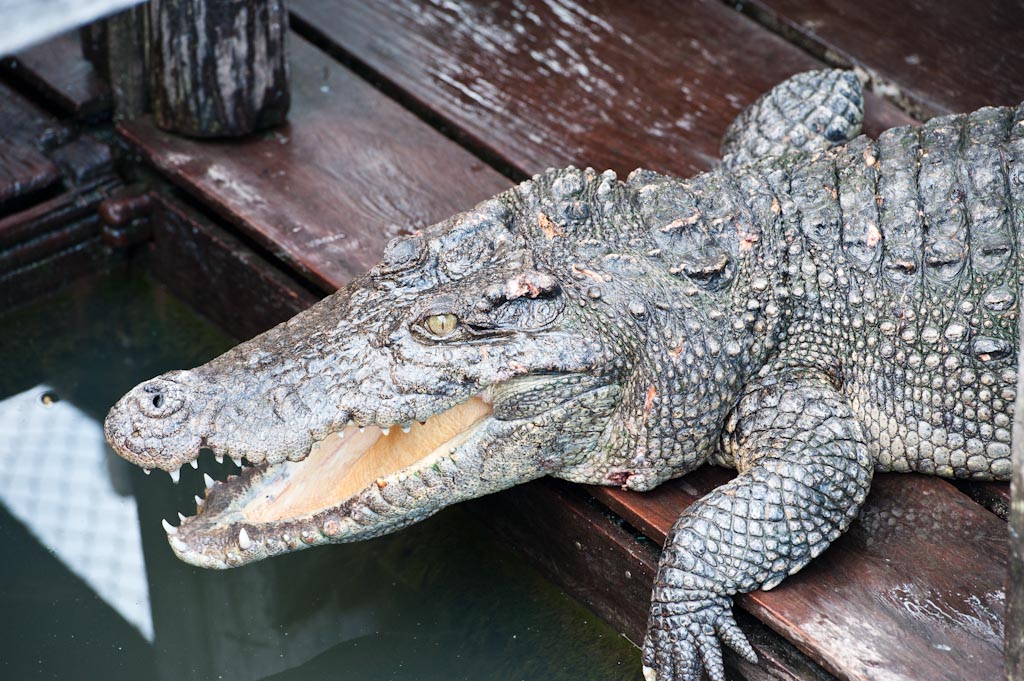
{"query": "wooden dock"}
(406, 111)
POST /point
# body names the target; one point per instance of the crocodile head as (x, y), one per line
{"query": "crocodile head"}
(481, 352)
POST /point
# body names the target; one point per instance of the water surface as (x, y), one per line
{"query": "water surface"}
(89, 588)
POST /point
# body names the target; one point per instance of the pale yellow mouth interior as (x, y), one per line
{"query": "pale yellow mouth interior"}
(343, 464)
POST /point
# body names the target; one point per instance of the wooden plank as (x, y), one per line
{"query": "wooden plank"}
(915, 587)
(217, 274)
(995, 496)
(58, 72)
(23, 168)
(540, 83)
(949, 58)
(604, 565)
(325, 193)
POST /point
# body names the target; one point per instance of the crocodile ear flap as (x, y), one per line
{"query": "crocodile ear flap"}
(805, 113)
(530, 284)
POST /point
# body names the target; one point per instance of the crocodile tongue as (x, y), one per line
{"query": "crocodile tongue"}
(343, 464)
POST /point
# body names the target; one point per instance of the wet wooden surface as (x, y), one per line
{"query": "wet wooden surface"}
(604, 565)
(540, 83)
(23, 167)
(217, 274)
(52, 179)
(949, 57)
(57, 72)
(326, 192)
(914, 590)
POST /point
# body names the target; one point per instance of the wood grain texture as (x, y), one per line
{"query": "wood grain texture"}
(326, 192)
(541, 83)
(58, 73)
(217, 274)
(605, 566)
(217, 69)
(23, 167)
(951, 57)
(914, 590)
(995, 496)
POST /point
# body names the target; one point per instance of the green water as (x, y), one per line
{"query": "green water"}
(441, 600)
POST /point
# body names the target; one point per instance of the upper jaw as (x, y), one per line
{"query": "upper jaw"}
(236, 524)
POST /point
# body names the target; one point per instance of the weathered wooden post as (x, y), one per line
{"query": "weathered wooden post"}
(217, 68)
(1015, 588)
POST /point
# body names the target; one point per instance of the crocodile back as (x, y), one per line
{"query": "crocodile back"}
(908, 252)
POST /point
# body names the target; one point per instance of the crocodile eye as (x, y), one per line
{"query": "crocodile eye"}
(441, 325)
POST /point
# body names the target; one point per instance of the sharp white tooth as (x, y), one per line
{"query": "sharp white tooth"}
(362, 429)
(181, 516)
(175, 475)
(147, 471)
(168, 528)
(350, 423)
(219, 458)
(195, 463)
(237, 460)
(199, 501)
(243, 540)
(385, 431)
(208, 480)
(406, 427)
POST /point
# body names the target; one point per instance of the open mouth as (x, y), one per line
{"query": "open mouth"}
(275, 508)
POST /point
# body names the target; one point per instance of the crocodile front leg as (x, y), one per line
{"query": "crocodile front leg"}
(804, 473)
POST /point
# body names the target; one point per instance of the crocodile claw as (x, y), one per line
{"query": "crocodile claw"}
(684, 638)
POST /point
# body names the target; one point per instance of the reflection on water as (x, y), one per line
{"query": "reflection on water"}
(91, 528)
(441, 600)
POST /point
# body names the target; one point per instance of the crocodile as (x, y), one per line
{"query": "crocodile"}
(818, 307)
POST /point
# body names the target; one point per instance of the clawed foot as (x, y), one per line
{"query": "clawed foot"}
(683, 638)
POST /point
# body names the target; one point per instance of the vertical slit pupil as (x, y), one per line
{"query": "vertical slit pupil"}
(158, 401)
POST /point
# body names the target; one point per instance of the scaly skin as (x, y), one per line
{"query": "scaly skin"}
(807, 318)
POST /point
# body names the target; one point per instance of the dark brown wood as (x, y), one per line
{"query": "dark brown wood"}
(350, 172)
(952, 57)
(50, 185)
(93, 39)
(602, 564)
(54, 242)
(54, 212)
(127, 62)
(535, 84)
(916, 586)
(995, 496)
(217, 274)
(218, 69)
(1015, 588)
(24, 170)
(58, 72)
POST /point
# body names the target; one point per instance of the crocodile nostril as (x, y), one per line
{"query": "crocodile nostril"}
(160, 399)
